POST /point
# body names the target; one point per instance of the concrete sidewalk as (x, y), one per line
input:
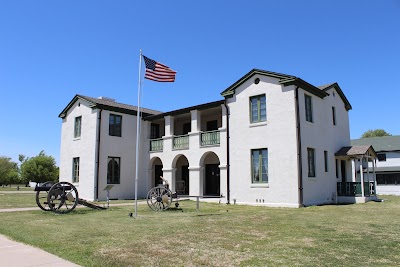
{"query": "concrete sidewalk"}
(14, 254)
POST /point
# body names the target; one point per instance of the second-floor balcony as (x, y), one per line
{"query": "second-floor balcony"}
(210, 138)
(188, 128)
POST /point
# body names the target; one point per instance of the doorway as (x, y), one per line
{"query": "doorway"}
(157, 173)
(212, 186)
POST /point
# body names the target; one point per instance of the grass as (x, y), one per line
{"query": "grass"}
(218, 235)
(14, 188)
(10, 200)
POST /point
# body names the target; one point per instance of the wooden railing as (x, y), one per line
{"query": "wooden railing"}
(181, 142)
(354, 189)
(210, 138)
(156, 144)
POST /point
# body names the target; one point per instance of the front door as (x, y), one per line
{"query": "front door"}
(157, 173)
(212, 180)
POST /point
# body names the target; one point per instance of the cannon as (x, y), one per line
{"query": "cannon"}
(61, 197)
(159, 198)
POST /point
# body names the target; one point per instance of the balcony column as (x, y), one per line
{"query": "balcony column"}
(196, 120)
(224, 116)
(169, 126)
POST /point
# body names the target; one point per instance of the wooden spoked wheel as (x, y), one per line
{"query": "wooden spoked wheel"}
(159, 198)
(62, 197)
(41, 197)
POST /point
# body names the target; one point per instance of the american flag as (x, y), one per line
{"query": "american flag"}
(158, 72)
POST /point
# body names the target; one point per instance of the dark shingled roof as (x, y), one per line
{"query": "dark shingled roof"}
(108, 104)
(380, 144)
(353, 150)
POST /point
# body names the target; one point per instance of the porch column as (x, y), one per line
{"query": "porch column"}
(196, 120)
(362, 177)
(222, 181)
(195, 188)
(353, 171)
(374, 175)
(169, 175)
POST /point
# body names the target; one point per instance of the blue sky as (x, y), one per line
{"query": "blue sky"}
(52, 50)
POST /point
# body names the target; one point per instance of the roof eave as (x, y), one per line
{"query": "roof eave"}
(230, 91)
(305, 86)
(341, 94)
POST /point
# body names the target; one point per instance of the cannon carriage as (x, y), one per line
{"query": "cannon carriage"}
(61, 197)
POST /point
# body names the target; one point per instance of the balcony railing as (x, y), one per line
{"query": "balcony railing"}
(156, 144)
(181, 142)
(354, 189)
(210, 138)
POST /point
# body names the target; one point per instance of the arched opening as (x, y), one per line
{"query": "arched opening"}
(182, 176)
(212, 181)
(157, 171)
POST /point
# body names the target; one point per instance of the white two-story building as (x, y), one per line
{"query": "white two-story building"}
(273, 140)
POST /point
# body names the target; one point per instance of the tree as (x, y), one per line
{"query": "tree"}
(38, 169)
(8, 171)
(375, 133)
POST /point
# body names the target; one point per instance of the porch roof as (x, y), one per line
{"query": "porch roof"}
(354, 151)
(185, 110)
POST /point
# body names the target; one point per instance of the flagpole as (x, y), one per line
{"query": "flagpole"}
(138, 131)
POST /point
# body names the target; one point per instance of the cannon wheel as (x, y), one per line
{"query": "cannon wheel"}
(41, 197)
(159, 198)
(62, 197)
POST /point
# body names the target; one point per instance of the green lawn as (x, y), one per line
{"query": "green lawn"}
(17, 200)
(218, 235)
(14, 188)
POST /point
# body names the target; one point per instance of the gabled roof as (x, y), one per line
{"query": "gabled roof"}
(108, 104)
(336, 86)
(355, 151)
(381, 144)
(284, 79)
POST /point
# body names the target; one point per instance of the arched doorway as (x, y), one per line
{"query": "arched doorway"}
(182, 176)
(212, 181)
(157, 171)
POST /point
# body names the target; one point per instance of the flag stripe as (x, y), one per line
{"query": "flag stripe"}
(158, 72)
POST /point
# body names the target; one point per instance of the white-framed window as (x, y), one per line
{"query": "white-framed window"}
(259, 166)
(115, 125)
(77, 127)
(308, 108)
(113, 170)
(75, 170)
(258, 108)
(311, 162)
